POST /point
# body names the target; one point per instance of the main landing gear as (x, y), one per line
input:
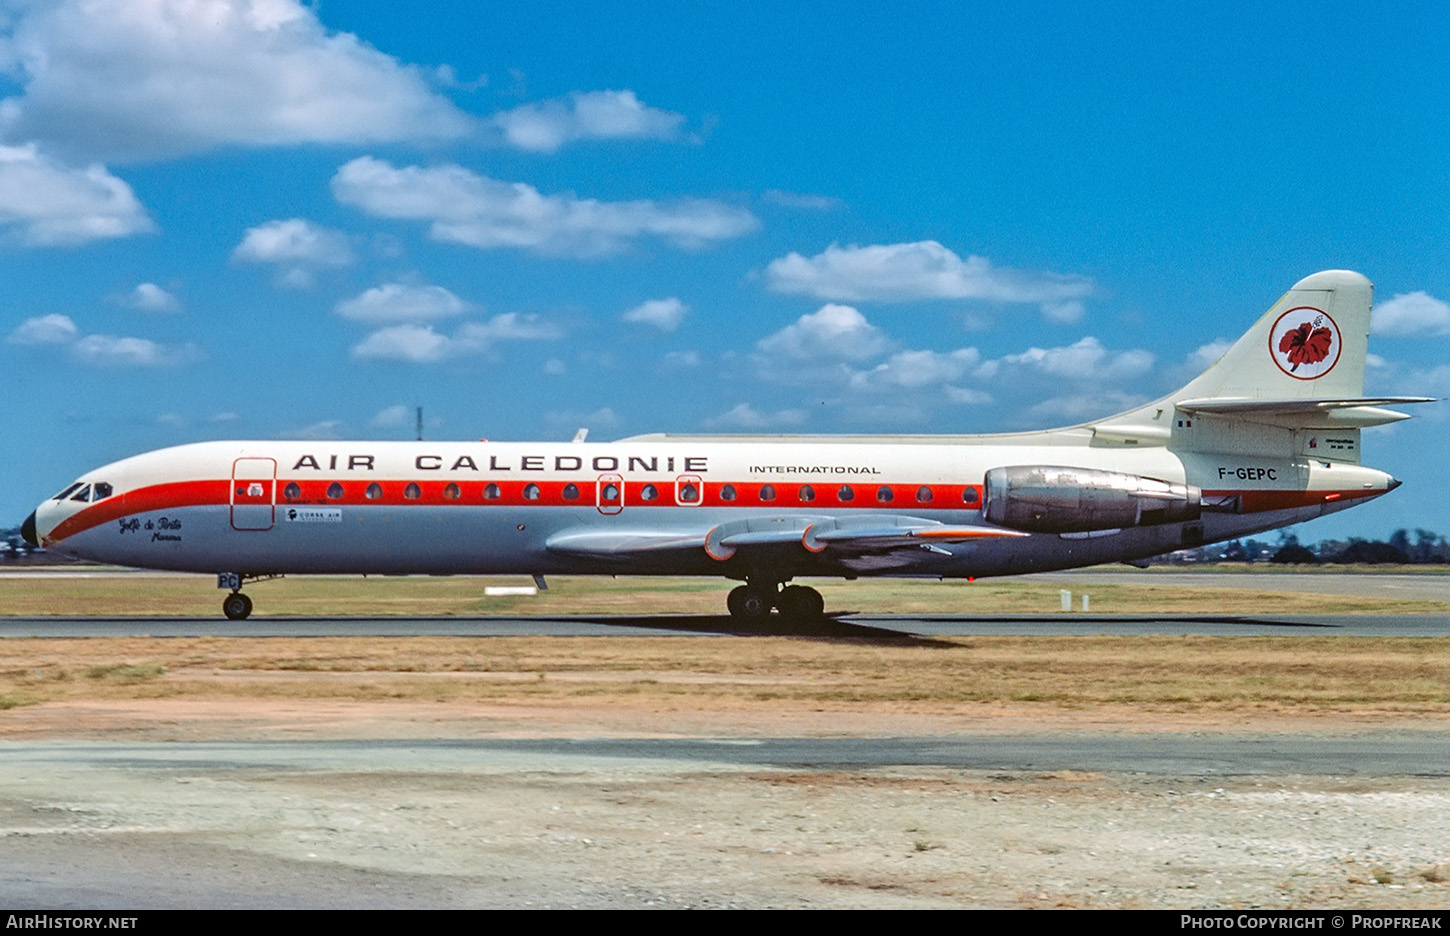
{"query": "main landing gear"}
(753, 601)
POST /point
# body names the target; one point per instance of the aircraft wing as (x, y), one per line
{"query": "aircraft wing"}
(813, 534)
(621, 544)
(904, 536)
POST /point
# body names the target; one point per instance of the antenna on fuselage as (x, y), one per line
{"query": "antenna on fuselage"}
(420, 424)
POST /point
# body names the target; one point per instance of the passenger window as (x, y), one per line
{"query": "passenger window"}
(490, 492)
(649, 492)
(292, 491)
(571, 491)
(767, 493)
(845, 493)
(83, 495)
(923, 495)
(67, 492)
(531, 492)
(610, 492)
(689, 493)
(334, 491)
(727, 492)
(883, 494)
(412, 491)
(808, 493)
(969, 495)
(101, 491)
(451, 492)
(374, 491)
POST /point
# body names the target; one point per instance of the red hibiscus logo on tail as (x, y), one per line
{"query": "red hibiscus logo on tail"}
(1306, 345)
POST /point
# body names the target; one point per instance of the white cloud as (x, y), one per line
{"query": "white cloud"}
(1085, 359)
(922, 270)
(394, 303)
(327, 429)
(554, 367)
(45, 330)
(466, 208)
(801, 201)
(422, 344)
(1079, 407)
(102, 350)
(664, 314)
(680, 360)
(148, 79)
(121, 351)
(745, 416)
(510, 326)
(967, 396)
(1411, 314)
(392, 417)
(148, 297)
(915, 369)
(50, 204)
(296, 247)
(1205, 356)
(833, 332)
(416, 344)
(594, 115)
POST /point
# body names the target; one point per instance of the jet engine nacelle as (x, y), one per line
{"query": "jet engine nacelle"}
(1047, 499)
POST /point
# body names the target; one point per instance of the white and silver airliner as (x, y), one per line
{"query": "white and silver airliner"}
(1266, 437)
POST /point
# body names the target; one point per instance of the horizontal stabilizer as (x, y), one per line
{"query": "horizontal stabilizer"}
(1342, 413)
(1232, 406)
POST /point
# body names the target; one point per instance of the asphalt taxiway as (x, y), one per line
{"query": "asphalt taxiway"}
(869, 626)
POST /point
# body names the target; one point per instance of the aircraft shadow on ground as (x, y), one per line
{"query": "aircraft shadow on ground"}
(1103, 619)
(831, 625)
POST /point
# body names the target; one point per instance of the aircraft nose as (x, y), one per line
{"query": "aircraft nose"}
(1392, 484)
(27, 531)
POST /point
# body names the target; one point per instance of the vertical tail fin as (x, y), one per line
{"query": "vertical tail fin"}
(1310, 346)
(1298, 370)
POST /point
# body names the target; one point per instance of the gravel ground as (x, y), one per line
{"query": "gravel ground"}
(86, 825)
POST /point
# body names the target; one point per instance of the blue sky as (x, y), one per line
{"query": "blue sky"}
(273, 220)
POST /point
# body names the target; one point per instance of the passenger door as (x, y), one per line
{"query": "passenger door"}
(254, 493)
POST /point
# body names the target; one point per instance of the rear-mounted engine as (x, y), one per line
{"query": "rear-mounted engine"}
(1046, 499)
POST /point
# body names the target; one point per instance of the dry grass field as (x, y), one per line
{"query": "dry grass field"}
(184, 595)
(1174, 677)
(952, 676)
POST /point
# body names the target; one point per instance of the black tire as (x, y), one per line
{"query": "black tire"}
(800, 603)
(236, 606)
(749, 603)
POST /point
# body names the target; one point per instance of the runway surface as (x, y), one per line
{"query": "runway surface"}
(1397, 754)
(866, 626)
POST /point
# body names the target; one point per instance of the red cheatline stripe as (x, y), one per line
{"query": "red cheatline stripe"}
(155, 497)
(515, 493)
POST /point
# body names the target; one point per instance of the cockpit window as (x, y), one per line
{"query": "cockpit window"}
(67, 492)
(83, 495)
(100, 491)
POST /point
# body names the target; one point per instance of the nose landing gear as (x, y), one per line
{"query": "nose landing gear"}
(236, 606)
(753, 601)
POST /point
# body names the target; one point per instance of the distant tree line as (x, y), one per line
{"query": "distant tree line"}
(1402, 548)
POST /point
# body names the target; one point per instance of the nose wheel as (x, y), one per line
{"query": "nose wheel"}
(236, 606)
